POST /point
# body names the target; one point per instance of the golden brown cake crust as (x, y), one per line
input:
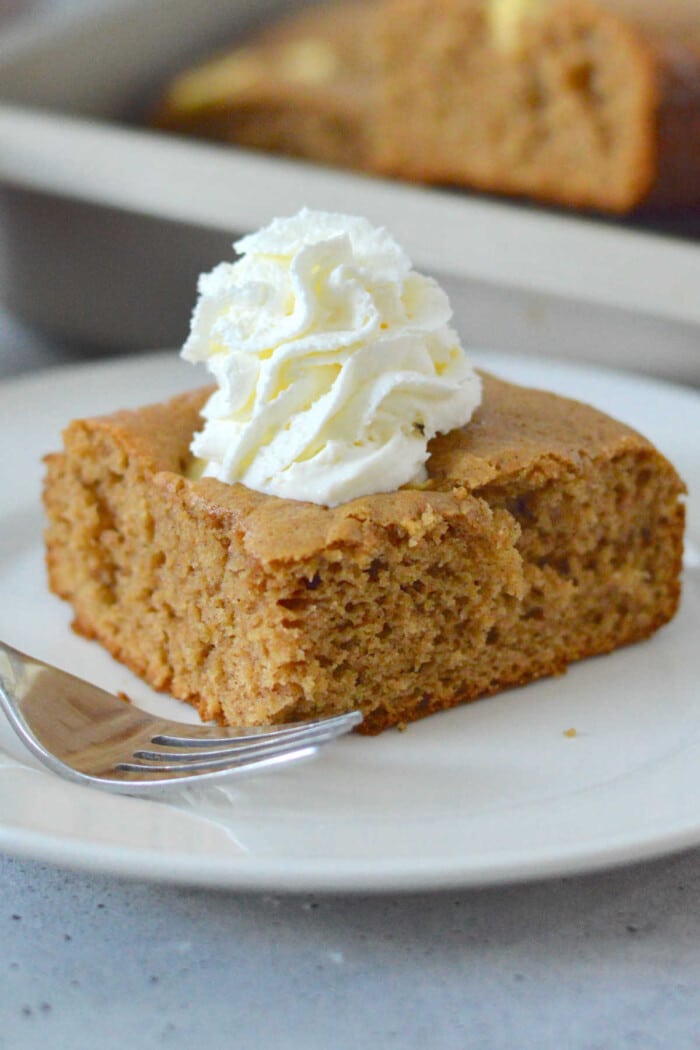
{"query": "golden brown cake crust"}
(598, 105)
(547, 532)
(521, 432)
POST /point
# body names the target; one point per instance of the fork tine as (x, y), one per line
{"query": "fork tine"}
(259, 749)
(343, 722)
(259, 758)
(311, 733)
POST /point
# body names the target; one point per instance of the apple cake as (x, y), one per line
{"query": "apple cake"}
(546, 532)
(582, 103)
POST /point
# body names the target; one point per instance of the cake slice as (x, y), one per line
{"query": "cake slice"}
(547, 532)
(584, 103)
(304, 86)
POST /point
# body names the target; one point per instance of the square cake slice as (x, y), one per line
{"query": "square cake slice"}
(547, 532)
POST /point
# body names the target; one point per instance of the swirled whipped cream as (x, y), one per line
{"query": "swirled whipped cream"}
(334, 360)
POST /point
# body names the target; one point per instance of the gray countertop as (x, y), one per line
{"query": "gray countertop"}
(606, 961)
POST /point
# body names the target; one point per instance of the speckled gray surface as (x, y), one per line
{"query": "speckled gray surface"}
(597, 962)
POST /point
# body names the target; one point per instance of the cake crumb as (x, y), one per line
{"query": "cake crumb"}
(571, 733)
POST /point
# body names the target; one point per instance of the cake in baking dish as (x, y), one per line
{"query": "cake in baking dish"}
(582, 103)
(546, 532)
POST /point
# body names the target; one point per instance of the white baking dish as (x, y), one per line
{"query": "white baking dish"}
(104, 225)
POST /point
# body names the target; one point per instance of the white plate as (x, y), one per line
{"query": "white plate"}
(493, 792)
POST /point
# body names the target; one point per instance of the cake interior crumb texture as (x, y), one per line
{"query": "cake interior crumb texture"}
(547, 532)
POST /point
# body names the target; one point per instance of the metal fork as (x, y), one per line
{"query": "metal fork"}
(90, 736)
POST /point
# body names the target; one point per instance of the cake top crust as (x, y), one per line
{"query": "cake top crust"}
(517, 432)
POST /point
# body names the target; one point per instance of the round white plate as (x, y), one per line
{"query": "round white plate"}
(493, 792)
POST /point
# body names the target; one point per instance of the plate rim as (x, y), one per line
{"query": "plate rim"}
(340, 876)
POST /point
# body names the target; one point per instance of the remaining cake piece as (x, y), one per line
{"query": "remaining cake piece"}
(547, 532)
(575, 102)
(305, 86)
(587, 104)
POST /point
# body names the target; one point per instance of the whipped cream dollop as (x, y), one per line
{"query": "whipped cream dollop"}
(334, 360)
